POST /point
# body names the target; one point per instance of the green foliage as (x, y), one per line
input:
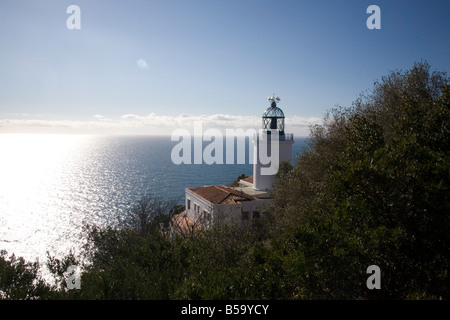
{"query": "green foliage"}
(373, 189)
(134, 267)
(148, 214)
(20, 279)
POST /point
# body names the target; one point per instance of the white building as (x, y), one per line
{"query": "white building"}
(212, 205)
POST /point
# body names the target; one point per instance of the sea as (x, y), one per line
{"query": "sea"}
(51, 185)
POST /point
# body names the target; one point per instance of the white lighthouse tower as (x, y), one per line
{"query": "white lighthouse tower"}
(271, 146)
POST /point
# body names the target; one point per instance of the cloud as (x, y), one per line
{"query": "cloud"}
(150, 124)
(130, 116)
(142, 64)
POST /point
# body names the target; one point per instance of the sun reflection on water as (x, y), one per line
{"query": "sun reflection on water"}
(35, 170)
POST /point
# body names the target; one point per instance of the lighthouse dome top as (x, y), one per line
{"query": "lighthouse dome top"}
(273, 112)
(273, 117)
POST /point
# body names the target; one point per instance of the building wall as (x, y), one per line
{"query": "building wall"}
(240, 214)
(206, 214)
(198, 209)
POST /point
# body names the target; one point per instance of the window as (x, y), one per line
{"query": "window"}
(207, 215)
(196, 208)
(256, 214)
(188, 204)
(244, 215)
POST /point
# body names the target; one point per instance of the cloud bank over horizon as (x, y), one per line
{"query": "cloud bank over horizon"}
(151, 124)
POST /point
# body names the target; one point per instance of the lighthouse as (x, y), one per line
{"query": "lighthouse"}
(214, 205)
(271, 146)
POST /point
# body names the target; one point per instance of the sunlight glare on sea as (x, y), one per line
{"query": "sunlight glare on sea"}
(35, 173)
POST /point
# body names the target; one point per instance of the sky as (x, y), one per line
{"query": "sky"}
(150, 67)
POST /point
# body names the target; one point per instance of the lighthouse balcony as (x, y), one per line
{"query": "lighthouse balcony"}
(287, 137)
(264, 135)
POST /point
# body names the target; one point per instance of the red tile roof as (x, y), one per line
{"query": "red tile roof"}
(221, 194)
(249, 179)
(183, 225)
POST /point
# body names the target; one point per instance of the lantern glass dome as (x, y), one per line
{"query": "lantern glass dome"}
(273, 117)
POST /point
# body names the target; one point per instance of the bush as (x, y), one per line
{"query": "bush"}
(373, 188)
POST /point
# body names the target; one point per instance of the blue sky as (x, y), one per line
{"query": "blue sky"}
(149, 67)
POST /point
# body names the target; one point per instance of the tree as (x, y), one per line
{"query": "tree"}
(373, 188)
(20, 279)
(149, 214)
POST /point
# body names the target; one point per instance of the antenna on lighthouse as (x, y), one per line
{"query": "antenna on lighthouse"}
(274, 99)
